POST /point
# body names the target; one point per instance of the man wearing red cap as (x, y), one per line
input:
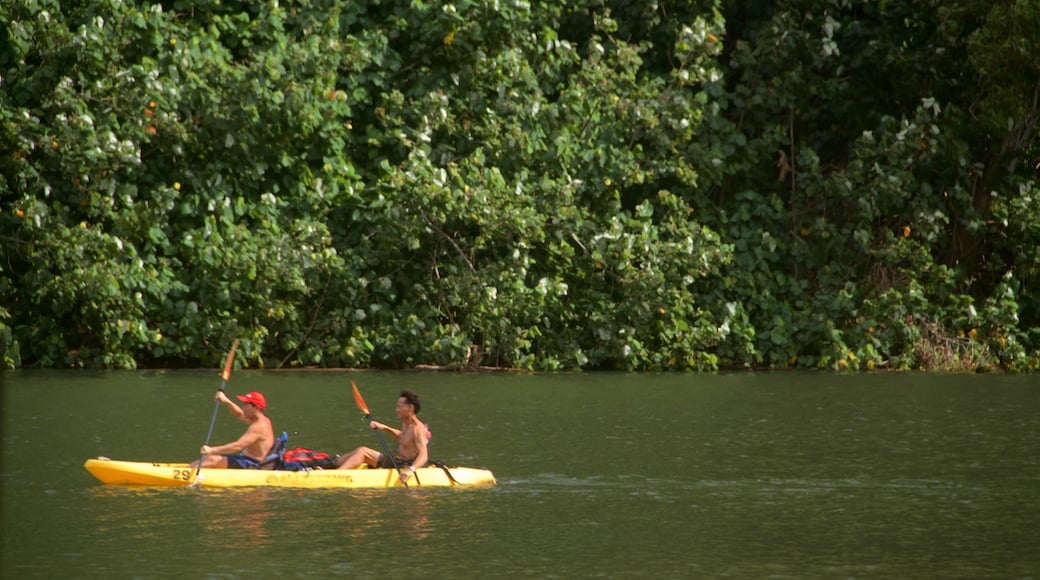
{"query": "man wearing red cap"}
(252, 447)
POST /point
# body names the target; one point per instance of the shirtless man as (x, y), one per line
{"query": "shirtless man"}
(252, 447)
(411, 441)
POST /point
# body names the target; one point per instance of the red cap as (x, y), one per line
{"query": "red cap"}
(254, 398)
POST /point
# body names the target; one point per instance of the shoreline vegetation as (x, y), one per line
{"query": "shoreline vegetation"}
(388, 184)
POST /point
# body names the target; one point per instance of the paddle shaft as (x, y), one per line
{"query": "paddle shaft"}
(216, 407)
(386, 449)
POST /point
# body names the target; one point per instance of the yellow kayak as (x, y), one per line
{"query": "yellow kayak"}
(113, 472)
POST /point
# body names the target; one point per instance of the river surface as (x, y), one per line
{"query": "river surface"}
(749, 475)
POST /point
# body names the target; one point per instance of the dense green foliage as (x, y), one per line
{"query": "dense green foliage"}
(548, 185)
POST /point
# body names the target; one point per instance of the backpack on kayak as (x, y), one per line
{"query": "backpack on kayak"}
(303, 458)
(296, 459)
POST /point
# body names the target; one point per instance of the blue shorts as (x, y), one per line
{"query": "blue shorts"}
(239, 461)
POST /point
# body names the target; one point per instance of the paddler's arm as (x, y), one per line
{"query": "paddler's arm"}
(236, 446)
(422, 441)
(395, 433)
(419, 433)
(235, 409)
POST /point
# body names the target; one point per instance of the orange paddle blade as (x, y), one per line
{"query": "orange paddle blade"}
(357, 399)
(229, 362)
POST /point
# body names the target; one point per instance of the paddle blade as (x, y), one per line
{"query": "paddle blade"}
(229, 362)
(358, 400)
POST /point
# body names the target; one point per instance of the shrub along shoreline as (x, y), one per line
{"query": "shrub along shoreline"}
(389, 184)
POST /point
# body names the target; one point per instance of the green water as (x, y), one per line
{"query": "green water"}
(785, 475)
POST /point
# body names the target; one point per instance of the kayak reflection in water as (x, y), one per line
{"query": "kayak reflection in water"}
(411, 441)
(249, 450)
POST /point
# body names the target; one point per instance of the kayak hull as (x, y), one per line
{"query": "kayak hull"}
(157, 474)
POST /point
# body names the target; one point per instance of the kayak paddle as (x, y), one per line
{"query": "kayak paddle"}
(360, 402)
(223, 382)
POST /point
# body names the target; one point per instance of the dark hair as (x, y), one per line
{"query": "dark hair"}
(412, 399)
